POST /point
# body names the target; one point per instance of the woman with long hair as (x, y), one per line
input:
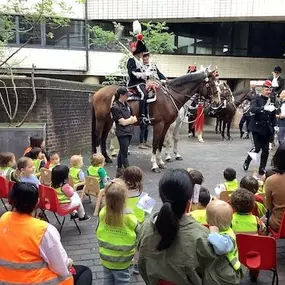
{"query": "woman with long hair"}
(174, 248)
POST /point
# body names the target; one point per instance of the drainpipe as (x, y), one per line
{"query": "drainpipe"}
(86, 37)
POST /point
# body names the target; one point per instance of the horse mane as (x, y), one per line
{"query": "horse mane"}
(189, 77)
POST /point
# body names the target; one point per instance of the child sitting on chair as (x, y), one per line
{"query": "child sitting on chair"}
(76, 163)
(7, 164)
(54, 160)
(97, 169)
(251, 184)
(244, 221)
(66, 196)
(222, 237)
(38, 158)
(230, 184)
(200, 213)
(26, 171)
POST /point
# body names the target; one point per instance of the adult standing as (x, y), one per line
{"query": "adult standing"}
(274, 189)
(124, 120)
(31, 250)
(281, 118)
(245, 119)
(173, 247)
(261, 125)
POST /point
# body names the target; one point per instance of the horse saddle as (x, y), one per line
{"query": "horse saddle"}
(136, 96)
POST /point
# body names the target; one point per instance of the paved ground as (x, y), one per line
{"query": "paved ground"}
(210, 157)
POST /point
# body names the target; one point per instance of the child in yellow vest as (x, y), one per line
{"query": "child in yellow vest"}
(38, 158)
(200, 213)
(97, 169)
(7, 164)
(66, 196)
(222, 237)
(116, 234)
(251, 184)
(230, 184)
(244, 221)
(54, 160)
(133, 177)
(76, 163)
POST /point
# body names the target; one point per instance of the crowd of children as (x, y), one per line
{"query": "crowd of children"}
(120, 219)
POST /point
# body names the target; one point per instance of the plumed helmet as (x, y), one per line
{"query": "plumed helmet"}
(267, 84)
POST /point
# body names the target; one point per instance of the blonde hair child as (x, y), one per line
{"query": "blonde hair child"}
(97, 169)
(222, 237)
(76, 163)
(116, 233)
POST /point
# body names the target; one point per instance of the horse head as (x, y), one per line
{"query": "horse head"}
(209, 88)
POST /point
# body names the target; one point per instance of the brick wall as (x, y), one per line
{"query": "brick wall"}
(67, 114)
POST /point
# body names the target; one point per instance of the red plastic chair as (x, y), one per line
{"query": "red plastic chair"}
(4, 190)
(258, 253)
(49, 202)
(281, 232)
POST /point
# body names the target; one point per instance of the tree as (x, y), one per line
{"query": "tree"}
(51, 12)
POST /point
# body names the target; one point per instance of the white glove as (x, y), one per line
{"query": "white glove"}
(276, 128)
(269, 108)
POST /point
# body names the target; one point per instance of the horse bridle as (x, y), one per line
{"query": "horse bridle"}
(204, 83)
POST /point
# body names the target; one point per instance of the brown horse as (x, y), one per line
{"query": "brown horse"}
(225, 115)
(170, 98)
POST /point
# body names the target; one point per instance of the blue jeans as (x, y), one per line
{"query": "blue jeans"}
(116, 277)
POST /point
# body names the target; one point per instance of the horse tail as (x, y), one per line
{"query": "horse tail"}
(93, 130)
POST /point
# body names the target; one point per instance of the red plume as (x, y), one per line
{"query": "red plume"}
(139, 37)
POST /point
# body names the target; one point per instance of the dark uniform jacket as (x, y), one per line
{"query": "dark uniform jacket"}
(120, 110)
(136, 72)
(261, 121)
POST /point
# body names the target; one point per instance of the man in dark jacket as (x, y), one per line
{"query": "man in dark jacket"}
(138, 76)
(261, 126)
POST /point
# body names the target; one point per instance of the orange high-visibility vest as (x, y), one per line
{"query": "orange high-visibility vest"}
(20, 260)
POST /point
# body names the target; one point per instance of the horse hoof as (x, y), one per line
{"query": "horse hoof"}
(178, 158)
(230, 138)
(162, 166)
(155, 170)
(169, 159)
(108, 160)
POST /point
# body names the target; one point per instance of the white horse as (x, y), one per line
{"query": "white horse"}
(173, 134)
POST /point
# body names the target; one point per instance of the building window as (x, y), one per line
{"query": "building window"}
(56, 37)
(76, 34)
(29, 32)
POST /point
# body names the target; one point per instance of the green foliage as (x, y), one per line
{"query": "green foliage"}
(157, 38)
(101, 38)
(33, 13)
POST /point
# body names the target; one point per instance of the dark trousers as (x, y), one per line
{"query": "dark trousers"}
(143, 133)
(83, 275)
(244, 119)
(261, 142)
(143, 104)
(124, 142)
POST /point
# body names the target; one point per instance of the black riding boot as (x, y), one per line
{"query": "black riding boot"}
(144, 117)
(246, 163)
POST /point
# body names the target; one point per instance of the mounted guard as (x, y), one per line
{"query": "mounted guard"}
(138, 73)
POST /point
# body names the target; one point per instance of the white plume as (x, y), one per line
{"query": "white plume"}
(137, 28)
